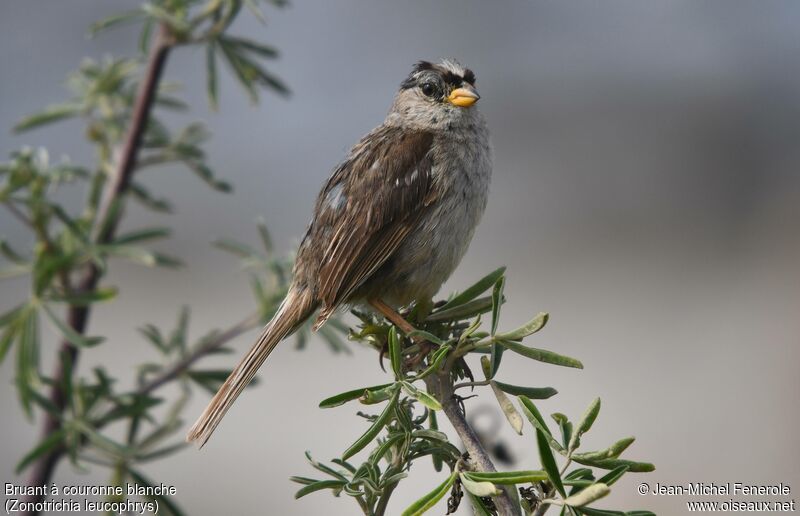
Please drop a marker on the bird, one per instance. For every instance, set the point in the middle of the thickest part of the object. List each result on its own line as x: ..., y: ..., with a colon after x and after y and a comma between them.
x: 392, y: 222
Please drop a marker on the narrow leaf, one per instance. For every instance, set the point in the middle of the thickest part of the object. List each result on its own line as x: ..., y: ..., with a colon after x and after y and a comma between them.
x: 49, y: 115
x: 633, y: 466
x: 613, y: 475
x: 422, y: 396
x: 479, y: 488
x: 549, y: 462
x: 529, y: 328
x: 541, y: 355
x: 211, y: 75
x: 585, y: 424
x: 70, y: 334
x: 336, y: 485
x: 341, y: 399
x: 586, y: 496
x: 47, y: 445
x: 373, y: 430
x: 534, y: 393
x: 481, y: 286
x: 508, y: 477
x: 396, y: 353
x: 512, y: 415
x: 429, y: 500
x: 133, y: 237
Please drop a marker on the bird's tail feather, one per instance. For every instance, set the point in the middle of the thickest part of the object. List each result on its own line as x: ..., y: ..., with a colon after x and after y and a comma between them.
x: 295, y: 309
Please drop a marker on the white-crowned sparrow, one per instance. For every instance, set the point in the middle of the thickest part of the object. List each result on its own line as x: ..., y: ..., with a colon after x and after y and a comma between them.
x: 393, y: 220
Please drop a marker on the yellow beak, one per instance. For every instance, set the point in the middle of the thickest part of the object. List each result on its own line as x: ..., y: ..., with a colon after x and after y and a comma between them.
x: 463, y: 97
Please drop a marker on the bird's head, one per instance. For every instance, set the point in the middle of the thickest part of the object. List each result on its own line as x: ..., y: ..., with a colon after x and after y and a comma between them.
x: 436, y: 96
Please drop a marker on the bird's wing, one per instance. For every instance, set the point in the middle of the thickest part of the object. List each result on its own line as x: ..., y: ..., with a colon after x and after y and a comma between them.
x: 366, y: 209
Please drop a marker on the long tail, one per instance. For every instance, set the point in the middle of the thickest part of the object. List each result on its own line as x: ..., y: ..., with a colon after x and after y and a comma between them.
x: 295, y: 309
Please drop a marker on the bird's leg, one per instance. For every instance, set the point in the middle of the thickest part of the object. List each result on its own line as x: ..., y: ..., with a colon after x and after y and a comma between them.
x: 398, y: 320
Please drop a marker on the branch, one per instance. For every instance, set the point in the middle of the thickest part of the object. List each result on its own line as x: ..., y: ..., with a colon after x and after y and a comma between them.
x: 105, y: 227
x: 211, y: 345
x: 440, y: 386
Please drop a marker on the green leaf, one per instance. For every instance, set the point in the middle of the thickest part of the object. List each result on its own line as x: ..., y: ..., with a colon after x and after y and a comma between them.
x: 161, y: 452
x: 612, y: 452
x: 435, y: 362
x: 248, y: 72
x: 141, y: 194
x: 529, y: 328
x: 422, y: 396
x: 336, y: 485
x: 323, y: 468
x: 430, y: 337
x: 373, y: 430
x: 211, y: 75
x: 396, y: 353
x: 463, y: 311
x: 512, y: 415
x: 378, y: 396
x: 27, y: 358
x: 477, y: 504
x: 508, y: 477
x: 549, y: 462
x: 85, y: 298
x: 429, y: 500
x: 434, y: 426
x: 341, y: 399
x: 479, y: 488
x: 613, y: 475
x: 541, y: 355
x: 12, y: 315
x: 585, y: 424
x: 481, y: 286
x: 70, y: 334
x: 588, y: 495
x: 236, y: 248
x: 144, y: 35
x: 133, y: 237
x: 50, y: 443
x: 6, y: 339
x: 253, y: 46
x: 565, y: 426
x: 165, y: 504
x: 633, y: 466
x: 535, y: 417
x: 10, y: 254
x: 48, y: 116
x: 497, y: 301
x: 535, y: 393
x: 114, y: 21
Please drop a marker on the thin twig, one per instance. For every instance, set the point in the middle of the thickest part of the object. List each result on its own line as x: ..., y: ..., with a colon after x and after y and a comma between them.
x: 461, y: 385
x: 209, y: 346
x: 105, y: 227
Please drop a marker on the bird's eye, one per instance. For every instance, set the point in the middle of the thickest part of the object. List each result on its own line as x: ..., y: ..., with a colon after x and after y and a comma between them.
x: 428, y: 89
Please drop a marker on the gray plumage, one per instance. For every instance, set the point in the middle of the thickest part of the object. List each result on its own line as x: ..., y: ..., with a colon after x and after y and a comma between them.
x: 392, y: 222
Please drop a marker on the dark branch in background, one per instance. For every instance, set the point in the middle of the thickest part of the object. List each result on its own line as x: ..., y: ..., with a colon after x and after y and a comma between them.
x: 105, y: 226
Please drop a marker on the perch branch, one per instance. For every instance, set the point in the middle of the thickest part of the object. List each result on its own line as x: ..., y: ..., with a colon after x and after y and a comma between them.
x: 440, y: 386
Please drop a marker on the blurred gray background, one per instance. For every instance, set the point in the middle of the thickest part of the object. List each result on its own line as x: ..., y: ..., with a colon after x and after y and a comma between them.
x: 646, y: 194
